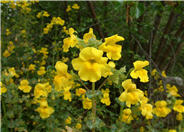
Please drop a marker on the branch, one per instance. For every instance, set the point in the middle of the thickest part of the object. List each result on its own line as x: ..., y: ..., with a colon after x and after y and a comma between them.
x: 166, y: 31
x: 92, y: 10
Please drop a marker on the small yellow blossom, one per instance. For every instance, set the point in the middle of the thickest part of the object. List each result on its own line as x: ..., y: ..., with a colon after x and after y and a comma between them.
x: 24, y: 86
x: 46, y: 14
x: 32, y: 67
x: 76, y: 6
x: 172, y: 130
x: 8, y: 32
x: 127, y: 116
x: 88, y: 36
x: 173, y: 90
x: 164, y: 74
x: 68, y: 8
x: 80, y: 91
x: 68, y: 120
x: 111, y: 48
x: 161, y: 109
x: 41, y: 71
x: 139, y: 72
x: 6, y: 53
x: 78, y: 126
x: 131, y: 95
x: 67, y: 94
x: 105, y: 99
x: 70, y: 41
x: 44, y: 110
x: 42, y: 89
x: 179, y: 117
x: 178, y: 106
x: 87, y: 103
x: 146, y: 110
x: 3, y: 88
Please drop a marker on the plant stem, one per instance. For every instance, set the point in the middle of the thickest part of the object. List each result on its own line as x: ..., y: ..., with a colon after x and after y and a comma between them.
x: 93, y: 107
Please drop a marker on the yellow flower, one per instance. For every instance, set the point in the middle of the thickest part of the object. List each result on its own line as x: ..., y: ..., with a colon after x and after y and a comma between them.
x: 42, y: 89
x: 6, y: 53
x: 32, y: 67
x: 12, y: 72
x: 113, y: 50
x: 78, y: 126
x: 161, y: 109
x: 127, y: 116
x: 57, y: 21
x: 131, y: 95
x: 70, y: 41
x: 87, y: 103
x: 172, y: 130
x: 178, y: 106
x: 44, y: 51
x: 65, y: 30
x: 44, y: 110
x: 146, y: 110
x: 105, y: 99
x: 46, y: 14
x: 3, y: 88
x: 39, y: 15
x: 91, y: 64
x: 67, y: 94
x: 62, y: 69
x: 76, y: 6
x: 24, y: 86
x: 80, y: 91
x: 173, y: 91
x: 138, y: 71
x: 164, y: 74
x: 68, y: 8
x: 68, y: 120
x: 142, y: 129
x: 179, y: 117
x: 41, y: 71
x: 88, y: 36
x: 8, y: 32
x: 63, y: 79
x: 43, y: 62
x: 61, y: 82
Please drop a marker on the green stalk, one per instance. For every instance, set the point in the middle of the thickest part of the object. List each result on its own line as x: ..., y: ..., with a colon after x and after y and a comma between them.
x: 93, y: 106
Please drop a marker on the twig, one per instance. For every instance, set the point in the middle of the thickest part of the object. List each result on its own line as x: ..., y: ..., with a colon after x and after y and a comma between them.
x: 83, y: 84
x: 102, y: 84
x: 91, y: 7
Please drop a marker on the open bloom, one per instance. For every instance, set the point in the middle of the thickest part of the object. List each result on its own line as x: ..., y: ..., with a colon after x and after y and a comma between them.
x: 63, y: 78
x: 89, y: 35
x: 127, y: 116
x: 91, y: 65
x: 105, y: 99
x: 146, y: 110
x: 161, y: 109
x: 44, y: 110
x: 42, y: 89
x: 178, y: 106
x: 131, y: 95
x: 24, y: 86
x: 70, y: 41
x: 139, y: 72
x: 87, y: 103
x: 111, y: 48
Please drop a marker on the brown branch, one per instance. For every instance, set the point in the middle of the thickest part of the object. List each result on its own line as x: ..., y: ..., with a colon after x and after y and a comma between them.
x: 170, y: 47
x: 92, y: 10
x: 166, y: 31
x: 178, y: 50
